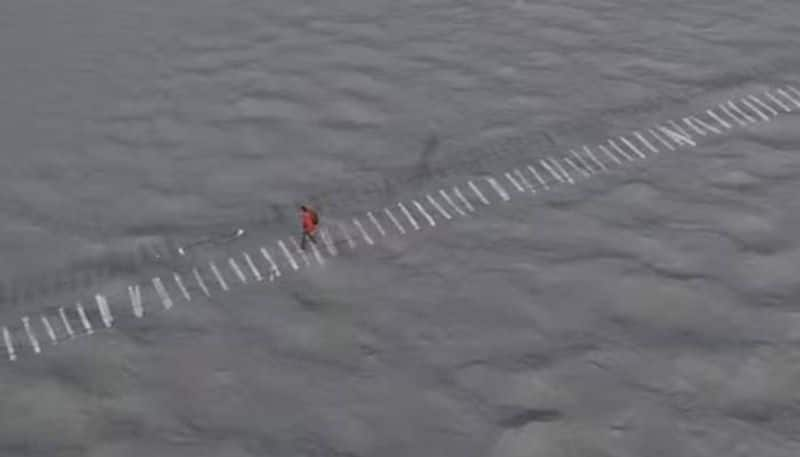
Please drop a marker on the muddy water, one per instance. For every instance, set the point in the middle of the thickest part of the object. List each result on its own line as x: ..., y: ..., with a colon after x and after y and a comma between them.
x: 648, y: 312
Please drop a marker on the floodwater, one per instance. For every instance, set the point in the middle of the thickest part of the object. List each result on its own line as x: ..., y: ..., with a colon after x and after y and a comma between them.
x: 648, y: 310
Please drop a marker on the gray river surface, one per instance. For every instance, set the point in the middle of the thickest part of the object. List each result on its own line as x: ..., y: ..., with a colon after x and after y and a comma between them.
x: 648, y: 311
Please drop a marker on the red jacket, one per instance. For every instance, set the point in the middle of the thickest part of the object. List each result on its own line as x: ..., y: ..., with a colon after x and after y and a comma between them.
x: 309, y: 225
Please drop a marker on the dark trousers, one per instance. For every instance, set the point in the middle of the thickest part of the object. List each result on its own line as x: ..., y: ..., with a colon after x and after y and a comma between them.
x: 307, y: 235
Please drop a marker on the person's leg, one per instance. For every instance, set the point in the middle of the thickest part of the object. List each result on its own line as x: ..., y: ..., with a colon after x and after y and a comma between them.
x: 303, y: 241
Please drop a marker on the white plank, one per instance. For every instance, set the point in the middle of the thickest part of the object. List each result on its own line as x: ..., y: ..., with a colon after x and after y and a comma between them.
x: 762, y: 104
x: 497, y: 188
x: 582, y: 161
x: 793, y: 90
x: 727, y: 111
x: 552, y: 171
x: 201, y: 282
x: 274, y: 271
x: 49, y: 329
x: 181, y: 286
x: 739, y: 111
x: 620, y: 151
x: 252, y: 265
x: 237, y: 270
x: 675, y: 126
x: 754, y: 109
x: 777, y: 101
x: 438, y: 207
x: 575, y: 167
x: 350, y: 241
x: 644, y: 141
x: 105, y: 311
x: 538, y: 177
x: 376, y: 223
x: 594, y: 158
x: 87, y: 325
x: 524, y: 180
x: 632, y: 147
x: 719, y: 120
x: 407, y: 213
x: 608, y: 153
x: 463, y: 199
x: 317, y: 254
x: 477, y: 192
x: 166, y: 300
x: 513, y: 182
x: 9, y: 343
x: 363, y: 232
x: 26, y: 322
x: 288, y: 255
x: 300, y: 251
x: 701, y: 123
x: 424, y: 213
x: 660, y: 139
x: 220, y: 279
x: 694, y: 126
x: 329, y: 244
x: 451, y: 203
x: 788, y: 97
x: 394, y: 220
x: 135, y: 295
x: 65, y: 322
x: 561, y: 170
x: 676, y: 136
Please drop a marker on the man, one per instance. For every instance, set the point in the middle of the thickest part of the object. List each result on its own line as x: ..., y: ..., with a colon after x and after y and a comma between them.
x: 310, y: 220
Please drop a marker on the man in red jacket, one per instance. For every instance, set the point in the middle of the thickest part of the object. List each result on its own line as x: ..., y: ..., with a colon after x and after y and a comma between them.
x: 310, y: 220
